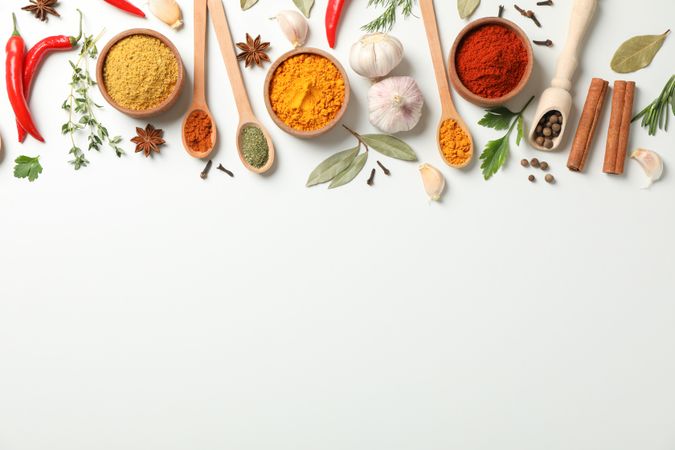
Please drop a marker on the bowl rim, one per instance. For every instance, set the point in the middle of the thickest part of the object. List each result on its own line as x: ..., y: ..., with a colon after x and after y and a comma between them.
x: 268, y: 104
x: 168, y: 102
x: 452, y: 68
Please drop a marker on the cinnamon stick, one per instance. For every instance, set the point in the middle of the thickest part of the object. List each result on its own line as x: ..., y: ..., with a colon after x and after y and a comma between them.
x: 619, y: 127
x: 587, y: 124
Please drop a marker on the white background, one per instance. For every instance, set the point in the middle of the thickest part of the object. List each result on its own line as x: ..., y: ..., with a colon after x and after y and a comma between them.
x: 143, y: 308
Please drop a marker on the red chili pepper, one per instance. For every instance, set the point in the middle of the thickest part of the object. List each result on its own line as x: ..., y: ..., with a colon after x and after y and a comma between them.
x: 124, y: 5
x: 14, y: 78
x: 36, y: 55
x: 333, y: 14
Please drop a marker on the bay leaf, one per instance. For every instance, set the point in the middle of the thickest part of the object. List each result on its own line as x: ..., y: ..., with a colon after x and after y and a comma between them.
x: 467, y: 7
x: 390, y: 146
x: 305, y: 6
x: 637, y: 52
x: 350, y: 172
x: 332, y: 166
x: 246, y: 4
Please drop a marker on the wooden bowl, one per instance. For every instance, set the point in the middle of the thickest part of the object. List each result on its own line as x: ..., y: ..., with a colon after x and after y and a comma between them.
x: 452, y: 68
x: 268, y: 103
x: 168, y: 102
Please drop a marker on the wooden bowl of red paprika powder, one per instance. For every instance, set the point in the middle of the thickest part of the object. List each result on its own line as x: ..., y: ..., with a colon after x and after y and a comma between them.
x: 490, y: 62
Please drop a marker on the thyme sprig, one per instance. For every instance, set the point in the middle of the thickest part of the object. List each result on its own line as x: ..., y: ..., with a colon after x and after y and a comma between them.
x: 655, y: 115
x: 81, y: 108
x: 385, y: 22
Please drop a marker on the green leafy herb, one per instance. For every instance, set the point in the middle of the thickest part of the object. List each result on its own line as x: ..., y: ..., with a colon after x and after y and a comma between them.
x: 304, y: 5
x: 81, y: 108
x: 390, y: 146
x: 350, y: 172
x: 246, y: 4
x: 655, y: 115
x: 637, y: 52
x: 332, y: 166
x: 467, y: 7
x: 385, y: 22
x: 495, y: 153
x: 27, y: 167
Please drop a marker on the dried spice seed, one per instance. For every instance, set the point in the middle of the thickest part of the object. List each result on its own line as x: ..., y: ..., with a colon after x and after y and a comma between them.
x: 529, y: 14
x: 253, y: 51
x: 501, y: 11
x: 534, y: 163
x: 546, y: 43
x: 545, y: 3
x: 223, y: 169
x: 543, y: 165
x: 532, y: 178
x: 148, y: 140
x: 524, y: 163
x: 384, y: 169
x: 42, y: 8
x: 205, y: 172
x: 550, y: 179
x: 371, y: 179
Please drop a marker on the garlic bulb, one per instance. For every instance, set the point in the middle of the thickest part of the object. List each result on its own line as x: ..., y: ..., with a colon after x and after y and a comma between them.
x: 434, y: 182
x: 294, y: 26
x: 375, y: 55
x: 395, y: 104
x: 167, y: 11
x: 651, y: 163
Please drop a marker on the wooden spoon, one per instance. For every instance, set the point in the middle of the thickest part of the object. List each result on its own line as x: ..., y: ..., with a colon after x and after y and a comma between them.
x: 447, y: 106
x: 246, y: 116
x: 199, y: 93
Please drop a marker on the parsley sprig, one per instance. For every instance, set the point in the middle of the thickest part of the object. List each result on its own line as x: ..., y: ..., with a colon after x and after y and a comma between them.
x: 27, y: 167
x: 385, y: 22
x: 495, y: 153
x: 81, y: 108
x: 655, y: 115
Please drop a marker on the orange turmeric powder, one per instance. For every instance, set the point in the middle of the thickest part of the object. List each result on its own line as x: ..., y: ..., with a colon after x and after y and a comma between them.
x: 455, y: 144
x: 307, y: 91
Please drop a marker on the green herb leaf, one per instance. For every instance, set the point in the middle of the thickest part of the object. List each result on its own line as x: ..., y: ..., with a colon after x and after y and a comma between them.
x: 27, y: 167
x: 385, y: 22
x: 350, y: 172
x: 637, y: 52
x: 497, y: 118
x: 305, y: 6
x: 494, y: 156
x: 332, y: 166
x: 390, y: 146
x: 521, y: 130
x: 246, y: 4
x: 655, y: 115
x: 467, y: 7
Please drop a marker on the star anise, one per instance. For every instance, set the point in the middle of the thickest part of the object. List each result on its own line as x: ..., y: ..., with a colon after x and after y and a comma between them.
x: 42, y: 8
x: 253, y: 51
x: 148, y: 140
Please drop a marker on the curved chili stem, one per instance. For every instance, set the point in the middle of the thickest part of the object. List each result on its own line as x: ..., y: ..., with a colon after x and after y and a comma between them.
x: 16, y: 28
x: 75, y: 39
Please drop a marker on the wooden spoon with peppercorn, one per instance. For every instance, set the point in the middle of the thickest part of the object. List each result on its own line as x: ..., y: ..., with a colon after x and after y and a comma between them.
x: 199, y: 93
x: 250, y: 130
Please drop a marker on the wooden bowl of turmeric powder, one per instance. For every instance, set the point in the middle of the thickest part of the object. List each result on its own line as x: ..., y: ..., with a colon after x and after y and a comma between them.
x: 140, y: 73
x: 490, y: 62
x: 306, y: 92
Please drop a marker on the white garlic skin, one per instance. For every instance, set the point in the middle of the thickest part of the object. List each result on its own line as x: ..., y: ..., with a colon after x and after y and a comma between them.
x: 167, y: 11
x: 375, y: 55
x: 651, y: 163
x: 434, y: 181
x: 395, y: 104
x: 294, y: 26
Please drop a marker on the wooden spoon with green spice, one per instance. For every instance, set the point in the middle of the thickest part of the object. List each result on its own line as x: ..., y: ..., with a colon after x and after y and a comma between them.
x: 199, y: 94
x: 255, y: 147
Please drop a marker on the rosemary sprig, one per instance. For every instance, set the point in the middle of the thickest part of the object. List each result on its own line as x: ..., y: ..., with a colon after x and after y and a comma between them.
x: 656, y: 115
x: 81, y: 107
x: 385, y: 22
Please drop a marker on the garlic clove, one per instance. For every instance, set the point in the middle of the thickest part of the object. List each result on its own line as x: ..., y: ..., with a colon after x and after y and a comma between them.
x: 434, y: 181
x: 294, y: 26
x: 375, y: 55
x: 395, y: 104
x: 167, y: 11
x: 651, y: 163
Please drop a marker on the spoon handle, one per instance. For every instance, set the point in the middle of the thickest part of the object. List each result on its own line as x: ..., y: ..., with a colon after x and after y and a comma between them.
x: 200, y: 51
x: 582, y: 13
x: 230, y: 57
x: 431, y: 27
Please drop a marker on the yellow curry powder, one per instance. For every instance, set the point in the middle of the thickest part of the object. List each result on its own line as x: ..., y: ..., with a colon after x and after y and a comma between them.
x: 455, y: 144
x: 307, y: 92
x: 140, y: 72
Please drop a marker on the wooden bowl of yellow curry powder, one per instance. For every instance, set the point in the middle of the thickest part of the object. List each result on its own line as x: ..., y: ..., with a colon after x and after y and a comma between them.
x: 140, y: 73
x: 306, y: 92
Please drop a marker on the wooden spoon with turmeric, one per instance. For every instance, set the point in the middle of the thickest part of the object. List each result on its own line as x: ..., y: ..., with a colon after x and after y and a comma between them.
x: 451, y: 127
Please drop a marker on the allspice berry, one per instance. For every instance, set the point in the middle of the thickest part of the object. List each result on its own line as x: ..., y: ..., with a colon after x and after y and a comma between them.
x: 543, y: 165
x: 532, y: 178
x: 548, y: 143
x: 534, y: 163
x: 524, y: 163
x: 549, y: 178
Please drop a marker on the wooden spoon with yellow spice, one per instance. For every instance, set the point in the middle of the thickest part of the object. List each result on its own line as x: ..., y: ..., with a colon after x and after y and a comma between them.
x: 454, y: 140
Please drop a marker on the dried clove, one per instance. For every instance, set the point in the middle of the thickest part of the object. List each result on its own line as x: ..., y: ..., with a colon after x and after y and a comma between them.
x: 545, y: 3
x: 384, y: 169
x: 371, y: 180
x: 223, y: 169
x: 546, y: 43
x: 205, y: 172
x: 529, y: 14
x: 501, y: 11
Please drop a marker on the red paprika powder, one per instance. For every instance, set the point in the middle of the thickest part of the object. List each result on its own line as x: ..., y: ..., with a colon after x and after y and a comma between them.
x: 491, y: 60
